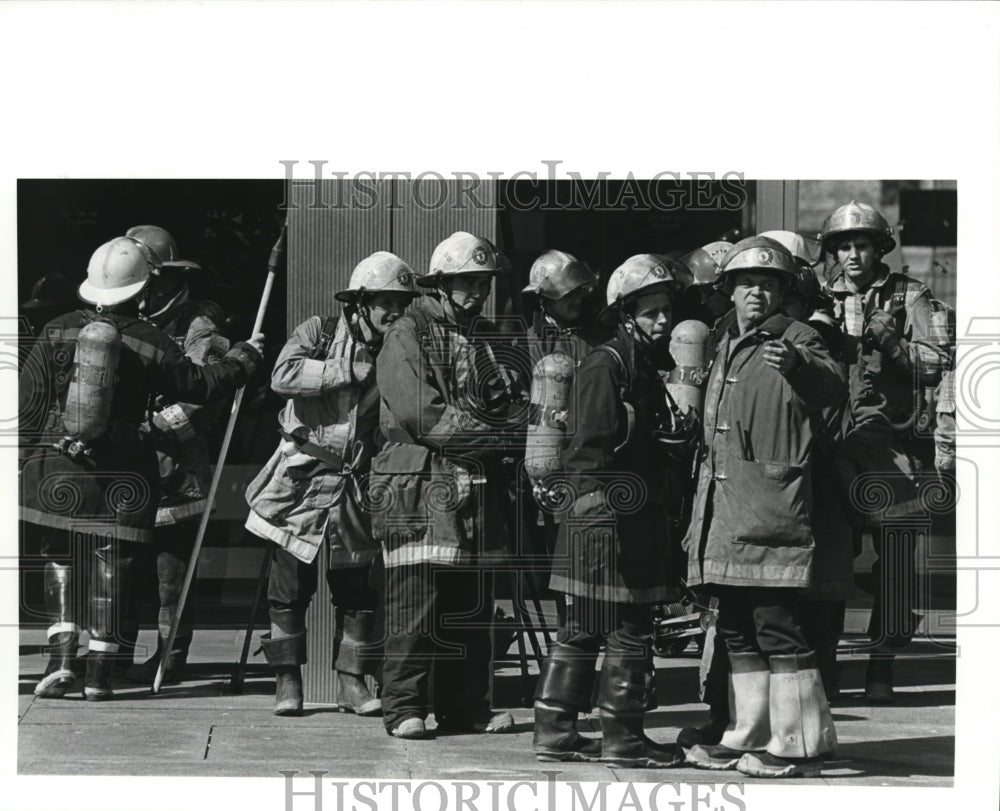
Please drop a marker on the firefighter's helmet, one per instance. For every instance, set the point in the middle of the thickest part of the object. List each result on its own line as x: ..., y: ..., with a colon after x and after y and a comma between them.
x: 758, y: 253
x: 642, y: 274
x: 556, y: 274
x: 52, y: 290
x: 794, y: 244
x: 717, y: 249
x: 462, y: 254
x: 162, y: 245
x: 703, y: 266
x: 806, y: 283
x: 382, y: 272
x: 118, y: 271
x: 855, y: 216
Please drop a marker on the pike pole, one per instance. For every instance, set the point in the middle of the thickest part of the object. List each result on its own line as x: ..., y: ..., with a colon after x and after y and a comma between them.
x: 277, y: 253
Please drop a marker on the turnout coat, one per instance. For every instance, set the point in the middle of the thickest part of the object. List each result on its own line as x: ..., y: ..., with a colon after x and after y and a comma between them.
x: 450, y: 411
x: 753, y: 505
x: 613, y: 541
x: 119, y: 492
x: 312, y: 489
x: 181, y: 428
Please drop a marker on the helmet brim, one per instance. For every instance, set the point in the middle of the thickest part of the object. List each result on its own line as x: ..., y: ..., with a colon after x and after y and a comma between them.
x: 885, y: 242
x: 609, y: 315
x: 435, y: 279
x: 109, y: 295
x: 350, y: 296
x: 181, y: 264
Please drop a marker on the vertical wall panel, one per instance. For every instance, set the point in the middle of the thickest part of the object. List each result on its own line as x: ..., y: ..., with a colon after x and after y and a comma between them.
x: 327, y: 237
x: 777, y: 205
x: 326, y: 241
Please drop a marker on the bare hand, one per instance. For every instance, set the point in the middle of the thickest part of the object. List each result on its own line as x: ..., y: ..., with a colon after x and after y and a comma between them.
x: 782, y: 355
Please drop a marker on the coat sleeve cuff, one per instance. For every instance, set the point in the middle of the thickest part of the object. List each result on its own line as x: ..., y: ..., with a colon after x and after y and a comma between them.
x: 247, y: 356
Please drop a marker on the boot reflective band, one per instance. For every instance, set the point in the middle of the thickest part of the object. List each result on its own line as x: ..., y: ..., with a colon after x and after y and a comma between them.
x: 100, y: 646
x: 63, y: 628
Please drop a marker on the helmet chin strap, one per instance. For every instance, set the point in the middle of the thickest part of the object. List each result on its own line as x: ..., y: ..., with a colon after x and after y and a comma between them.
x: 372, y: 344
x: 456, y: 308
x: 650, y: 349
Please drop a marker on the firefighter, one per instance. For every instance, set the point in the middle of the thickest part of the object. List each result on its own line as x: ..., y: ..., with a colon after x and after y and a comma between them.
x: 824, y: 604
x: 611, y: 551
x: 312, y: 490
x: 894, y: 328
x: 750, y: 537
x: 89, y: 478
x: 562, y: 285
x: 179, y: 430
x: 52, y: 295
x: 450, y: 413
x: 560, y: 336
x: 703, y: 300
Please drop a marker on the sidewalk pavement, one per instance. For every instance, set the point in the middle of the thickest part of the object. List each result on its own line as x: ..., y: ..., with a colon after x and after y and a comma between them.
x: 201, y: 728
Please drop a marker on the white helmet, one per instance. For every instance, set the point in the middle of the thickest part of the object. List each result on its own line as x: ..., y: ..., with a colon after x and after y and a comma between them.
x: 118, y: 271
x: 382, y: 272
x: 462, y: 253
x: 794, y: 243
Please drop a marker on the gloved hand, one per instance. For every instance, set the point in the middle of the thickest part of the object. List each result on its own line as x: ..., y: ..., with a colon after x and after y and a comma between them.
x: 881, y: 331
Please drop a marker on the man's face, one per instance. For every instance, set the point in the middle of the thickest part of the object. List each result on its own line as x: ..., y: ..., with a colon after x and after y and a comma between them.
x: 569, y: 307
x: 755, y: 297
x: 163, y: 286
x: 384, y: 310
x: 654, y: 314
x: 856, y: 255
x: 469, y: 292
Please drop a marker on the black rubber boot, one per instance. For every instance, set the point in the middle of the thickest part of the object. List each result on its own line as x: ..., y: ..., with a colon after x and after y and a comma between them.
x: 565, y: 686
x: 63, y: 635
x: 97, y: 683
x: 285, y: 655
x: 126, y: 649
x: 878, y: 679
x: 716, y: 695
x: 625, y: 683
x: 355, y: 657
x: 176, y: 667
x: 170, y: 572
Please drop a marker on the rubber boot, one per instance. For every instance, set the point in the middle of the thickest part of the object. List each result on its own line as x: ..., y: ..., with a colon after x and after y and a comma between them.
x: 63, y: 634
x: 802, y: 729
x: 565, y: 685
x: 625, y: 683
x: 170, y: 572
x: 878, y: 679
x: 829, y: 671
x: 110, y: 602
x: 126, y: 649
x: 749, y: 728
x: 716, y: 695
x: 176, y: 666
x: 354, y: 658
x: 100, y: 661
x: 286, y: 654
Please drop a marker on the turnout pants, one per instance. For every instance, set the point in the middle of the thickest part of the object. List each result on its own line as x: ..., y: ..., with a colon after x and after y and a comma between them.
x: 291, y: 588
x: 437, y: 630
